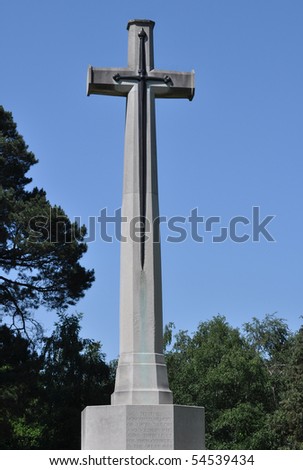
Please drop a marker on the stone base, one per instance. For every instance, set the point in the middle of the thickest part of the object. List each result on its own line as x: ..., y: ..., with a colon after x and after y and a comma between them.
x: 143, y: 427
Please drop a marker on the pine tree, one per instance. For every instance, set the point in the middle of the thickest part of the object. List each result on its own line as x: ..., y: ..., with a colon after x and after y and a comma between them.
x: 75, y: 375
x: 40, y: 247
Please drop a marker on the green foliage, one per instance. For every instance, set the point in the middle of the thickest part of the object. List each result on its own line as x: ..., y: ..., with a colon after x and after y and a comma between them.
x: 20, y: 423
x: 249, y: 383
x: 15, y: 159
x: 40, y: 248
x: 74, y: 376
x: 269, y: 336
x: 287, y: 421
x: 253, y: 396
x: 42, y: 395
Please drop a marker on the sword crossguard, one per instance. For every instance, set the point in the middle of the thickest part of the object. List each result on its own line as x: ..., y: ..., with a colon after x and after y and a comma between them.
x: 117, y: 77
x: 167, y: 80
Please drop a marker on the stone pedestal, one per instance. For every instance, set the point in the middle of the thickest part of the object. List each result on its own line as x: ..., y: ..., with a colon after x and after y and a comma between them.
x: 155, y: 427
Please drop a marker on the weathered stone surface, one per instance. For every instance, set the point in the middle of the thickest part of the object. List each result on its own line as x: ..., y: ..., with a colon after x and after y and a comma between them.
x: 143, y: 427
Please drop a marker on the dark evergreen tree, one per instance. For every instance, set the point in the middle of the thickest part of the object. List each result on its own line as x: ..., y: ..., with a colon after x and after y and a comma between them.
x: 21, y: 403
x: 42, y: 394
x: 40, y: 247
x: 75, y: 375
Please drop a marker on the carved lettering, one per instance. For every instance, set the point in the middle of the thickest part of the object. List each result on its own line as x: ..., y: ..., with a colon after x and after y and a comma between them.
x: 149, y: 430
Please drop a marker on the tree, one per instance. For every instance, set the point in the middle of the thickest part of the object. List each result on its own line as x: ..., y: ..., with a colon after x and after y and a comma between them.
x: 75, y: 375
x: 42, y: 393
x: 20, y: 395
x: 287, y: 421
x: 269, y: 336
x: 218, y: 369
x: 40, y: 247
x: 271, y: 339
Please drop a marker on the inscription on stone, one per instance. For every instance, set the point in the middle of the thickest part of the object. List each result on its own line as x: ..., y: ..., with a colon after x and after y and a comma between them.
x: 149, y: 429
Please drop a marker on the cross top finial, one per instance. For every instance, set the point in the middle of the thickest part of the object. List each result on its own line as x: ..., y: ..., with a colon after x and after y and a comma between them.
x: 142, y: 23
x: 136, y: 30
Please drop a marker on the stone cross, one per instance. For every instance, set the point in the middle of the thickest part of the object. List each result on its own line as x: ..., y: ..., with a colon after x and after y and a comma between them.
x: 141, y: 375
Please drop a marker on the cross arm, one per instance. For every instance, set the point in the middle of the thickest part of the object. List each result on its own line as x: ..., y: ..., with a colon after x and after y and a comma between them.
x: 100, y: 81
x: 179, y: 85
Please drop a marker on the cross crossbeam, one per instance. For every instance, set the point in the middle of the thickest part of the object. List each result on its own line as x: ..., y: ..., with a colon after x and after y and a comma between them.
x: 103, y: 81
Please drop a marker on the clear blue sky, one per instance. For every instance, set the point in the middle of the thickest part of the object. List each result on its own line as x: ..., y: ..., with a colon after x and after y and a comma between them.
x: 238, y: 144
